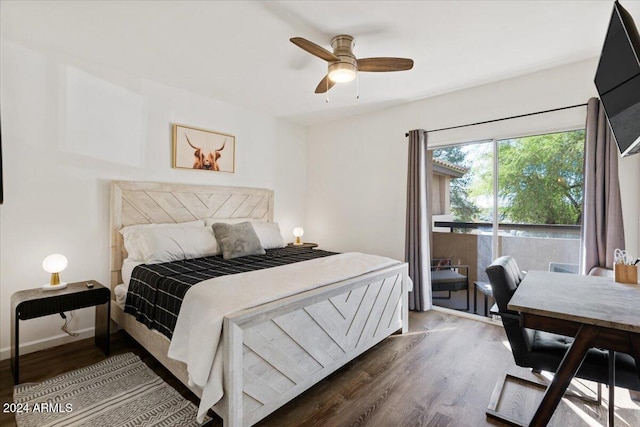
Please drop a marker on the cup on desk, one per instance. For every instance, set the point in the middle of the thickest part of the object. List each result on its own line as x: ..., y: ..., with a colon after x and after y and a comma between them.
x: 626, y: 273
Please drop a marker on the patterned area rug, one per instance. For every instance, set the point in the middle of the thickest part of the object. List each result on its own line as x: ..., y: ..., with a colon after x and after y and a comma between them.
x: 117, y: 392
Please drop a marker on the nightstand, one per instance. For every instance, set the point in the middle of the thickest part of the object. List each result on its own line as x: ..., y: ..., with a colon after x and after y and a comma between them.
x: 34, y: 303
x: 303, y: 245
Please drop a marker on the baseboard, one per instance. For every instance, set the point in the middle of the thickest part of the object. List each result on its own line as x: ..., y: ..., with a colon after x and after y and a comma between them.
x: 33, y: 346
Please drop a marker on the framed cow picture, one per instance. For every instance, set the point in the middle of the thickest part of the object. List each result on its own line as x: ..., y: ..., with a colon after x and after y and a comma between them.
x: 195, y: 148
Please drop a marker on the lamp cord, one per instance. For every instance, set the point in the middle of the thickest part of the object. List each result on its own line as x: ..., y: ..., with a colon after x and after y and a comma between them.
x: 65, y: 327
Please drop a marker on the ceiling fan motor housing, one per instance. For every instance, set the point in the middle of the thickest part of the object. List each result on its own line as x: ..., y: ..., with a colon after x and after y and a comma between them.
x: 345, y: 69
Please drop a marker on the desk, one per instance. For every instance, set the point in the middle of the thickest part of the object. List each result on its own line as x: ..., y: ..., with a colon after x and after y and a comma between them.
x: 597, y: 311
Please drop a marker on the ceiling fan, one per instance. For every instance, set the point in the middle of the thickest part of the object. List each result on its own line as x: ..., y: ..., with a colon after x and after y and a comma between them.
x: 343, y: 64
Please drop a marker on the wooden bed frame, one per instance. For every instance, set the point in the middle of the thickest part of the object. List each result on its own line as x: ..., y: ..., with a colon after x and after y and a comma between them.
x: 275, y: 351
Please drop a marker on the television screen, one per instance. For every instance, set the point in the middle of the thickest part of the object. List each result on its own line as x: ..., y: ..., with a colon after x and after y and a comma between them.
x: 618, y: 80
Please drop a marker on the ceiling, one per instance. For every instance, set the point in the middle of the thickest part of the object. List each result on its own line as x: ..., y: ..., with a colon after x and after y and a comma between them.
x: 239, y: 51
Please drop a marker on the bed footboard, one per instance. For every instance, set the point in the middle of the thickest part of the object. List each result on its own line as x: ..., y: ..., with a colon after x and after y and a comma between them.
x: 278, y: 350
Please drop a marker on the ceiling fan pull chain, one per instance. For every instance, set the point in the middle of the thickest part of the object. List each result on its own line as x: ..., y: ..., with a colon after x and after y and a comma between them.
x: 357, y: 87
x: 327, y: 92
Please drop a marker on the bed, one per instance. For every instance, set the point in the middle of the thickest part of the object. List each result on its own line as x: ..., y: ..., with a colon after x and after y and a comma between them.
x: 274, y: 351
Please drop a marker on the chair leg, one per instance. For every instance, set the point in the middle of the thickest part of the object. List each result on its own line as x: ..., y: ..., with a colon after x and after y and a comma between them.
x: 599, y: 399
x: 612, y: 386
x: 467, y: 297
x: 542, y: 383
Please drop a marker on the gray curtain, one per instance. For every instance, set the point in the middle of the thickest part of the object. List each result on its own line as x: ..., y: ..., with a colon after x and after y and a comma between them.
x: 602, y: 227
x: 418, y: 223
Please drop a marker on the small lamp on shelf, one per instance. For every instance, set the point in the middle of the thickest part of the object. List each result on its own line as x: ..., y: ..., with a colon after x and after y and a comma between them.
x: 298, y: 232
x: 54, y: 264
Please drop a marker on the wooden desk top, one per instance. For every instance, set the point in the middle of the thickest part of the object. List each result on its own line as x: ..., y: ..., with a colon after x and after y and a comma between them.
x: 584, y: 299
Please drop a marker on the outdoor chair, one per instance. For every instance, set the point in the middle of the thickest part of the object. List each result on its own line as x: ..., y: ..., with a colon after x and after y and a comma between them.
x: 447, y: 277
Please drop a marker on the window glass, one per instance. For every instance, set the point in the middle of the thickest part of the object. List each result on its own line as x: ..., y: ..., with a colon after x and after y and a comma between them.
x: 520, y: 197
x: 458, y: 193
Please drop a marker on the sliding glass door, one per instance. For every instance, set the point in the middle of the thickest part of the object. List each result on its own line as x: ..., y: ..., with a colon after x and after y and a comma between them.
x: 539, y: 200
x: 519, y: 196
x: 463, y: 209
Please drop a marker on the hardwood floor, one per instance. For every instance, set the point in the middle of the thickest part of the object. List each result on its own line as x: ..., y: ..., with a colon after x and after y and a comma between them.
x: 442, y: 373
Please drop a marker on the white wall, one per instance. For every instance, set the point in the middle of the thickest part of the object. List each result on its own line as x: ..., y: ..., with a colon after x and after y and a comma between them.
x: 357, y: 166
x: 69, y: 128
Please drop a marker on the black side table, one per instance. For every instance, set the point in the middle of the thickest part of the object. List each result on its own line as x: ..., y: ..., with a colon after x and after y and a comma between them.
x: 34, y: 303
x: 485, y: 288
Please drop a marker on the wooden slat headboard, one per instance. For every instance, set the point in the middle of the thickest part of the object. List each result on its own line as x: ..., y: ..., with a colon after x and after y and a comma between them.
x: 134, y: 202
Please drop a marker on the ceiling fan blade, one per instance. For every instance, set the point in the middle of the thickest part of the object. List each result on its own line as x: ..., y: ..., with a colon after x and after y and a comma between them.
x: 324, y: 85
x: 384, y: 64
x: 314, y: 49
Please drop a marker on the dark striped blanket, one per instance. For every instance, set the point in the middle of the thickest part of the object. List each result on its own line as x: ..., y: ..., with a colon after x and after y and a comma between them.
x: 156, y: 291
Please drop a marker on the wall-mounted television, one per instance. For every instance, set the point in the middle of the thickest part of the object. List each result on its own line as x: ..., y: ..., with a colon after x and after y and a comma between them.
x: 618, y: 80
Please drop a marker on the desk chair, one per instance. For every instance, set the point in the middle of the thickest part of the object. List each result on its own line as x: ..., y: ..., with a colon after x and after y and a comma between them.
x: 447, y: 277
x: 543, y: 351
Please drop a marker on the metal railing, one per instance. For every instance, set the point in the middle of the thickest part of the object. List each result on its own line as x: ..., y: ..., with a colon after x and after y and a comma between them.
x: 451, y: 225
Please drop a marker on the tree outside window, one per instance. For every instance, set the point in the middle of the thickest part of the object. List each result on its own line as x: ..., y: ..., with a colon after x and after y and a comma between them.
x: 540, y: 179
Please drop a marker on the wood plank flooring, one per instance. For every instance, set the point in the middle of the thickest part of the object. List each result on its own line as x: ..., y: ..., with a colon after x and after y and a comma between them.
x: 442, y: 374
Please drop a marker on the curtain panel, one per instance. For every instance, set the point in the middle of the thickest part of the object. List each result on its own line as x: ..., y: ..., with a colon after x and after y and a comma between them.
x: 418, y: 221
x: 602, y: 226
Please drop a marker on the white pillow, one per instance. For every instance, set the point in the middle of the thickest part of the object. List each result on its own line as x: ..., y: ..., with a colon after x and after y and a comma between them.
x: 165, y: 244
x: 269, y: 234
x: 210, y: 221
x: 132, y: 246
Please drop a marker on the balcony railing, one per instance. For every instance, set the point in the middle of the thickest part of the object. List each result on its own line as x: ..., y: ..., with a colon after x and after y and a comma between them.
x: 560, y: 230
x: 533, y: 246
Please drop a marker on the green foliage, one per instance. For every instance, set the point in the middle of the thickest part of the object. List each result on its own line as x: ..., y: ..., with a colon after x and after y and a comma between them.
x: 540, y: 179
x: 462, y: 208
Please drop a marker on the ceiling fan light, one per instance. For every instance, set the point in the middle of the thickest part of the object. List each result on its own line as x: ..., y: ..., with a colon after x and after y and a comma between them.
x: 342, y: 72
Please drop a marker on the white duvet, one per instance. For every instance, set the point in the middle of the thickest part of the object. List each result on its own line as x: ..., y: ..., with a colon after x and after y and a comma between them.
x: 198, y: 331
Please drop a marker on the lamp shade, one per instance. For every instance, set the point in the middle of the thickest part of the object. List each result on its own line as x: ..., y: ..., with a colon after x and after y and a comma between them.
x: 54, y: 263
x: 342, y: 72
x: 298, y: 232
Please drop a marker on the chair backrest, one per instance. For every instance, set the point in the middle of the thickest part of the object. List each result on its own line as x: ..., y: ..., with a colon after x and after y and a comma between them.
x: 505, y: 276
x: 602, y: 272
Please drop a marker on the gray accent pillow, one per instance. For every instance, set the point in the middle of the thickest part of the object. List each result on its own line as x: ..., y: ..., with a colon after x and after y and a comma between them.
x: 237, y: 240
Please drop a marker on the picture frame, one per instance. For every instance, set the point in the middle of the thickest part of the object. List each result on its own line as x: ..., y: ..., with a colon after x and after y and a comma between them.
x: 202, y: 149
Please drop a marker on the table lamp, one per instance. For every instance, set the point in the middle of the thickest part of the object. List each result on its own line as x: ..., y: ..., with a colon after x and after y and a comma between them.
x: 54, y: 264
x: 298, y: 232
